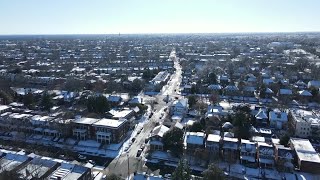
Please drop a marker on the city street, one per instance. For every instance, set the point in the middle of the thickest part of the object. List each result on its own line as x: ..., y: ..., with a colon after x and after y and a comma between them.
x: 120, y: 164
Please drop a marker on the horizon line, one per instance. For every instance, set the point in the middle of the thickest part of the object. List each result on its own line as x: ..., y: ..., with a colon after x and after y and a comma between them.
x: 164, y: 33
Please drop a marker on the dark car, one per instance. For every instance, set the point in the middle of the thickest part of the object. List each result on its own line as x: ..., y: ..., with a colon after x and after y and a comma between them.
x: 133, y: 139
x: 139, y: 152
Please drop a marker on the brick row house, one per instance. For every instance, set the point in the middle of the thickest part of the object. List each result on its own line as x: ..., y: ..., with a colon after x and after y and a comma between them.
x: 103, y: 130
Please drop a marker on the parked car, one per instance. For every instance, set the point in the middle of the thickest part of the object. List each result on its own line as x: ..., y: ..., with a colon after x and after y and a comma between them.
x: 133, y: 139
x: 139, y: 152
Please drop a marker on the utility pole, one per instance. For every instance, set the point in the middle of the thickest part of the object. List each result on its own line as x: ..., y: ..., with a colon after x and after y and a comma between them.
x: 128, y: 166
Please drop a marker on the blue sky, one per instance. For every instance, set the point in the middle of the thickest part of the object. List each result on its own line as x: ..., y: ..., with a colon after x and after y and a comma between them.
x: 157, y: 16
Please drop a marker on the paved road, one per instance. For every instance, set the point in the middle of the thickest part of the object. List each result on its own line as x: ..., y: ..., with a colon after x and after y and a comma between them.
x: 120, y: 164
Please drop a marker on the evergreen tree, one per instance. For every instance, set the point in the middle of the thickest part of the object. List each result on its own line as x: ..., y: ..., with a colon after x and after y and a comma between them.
x: 196, y: 127
x: 213, y: 172
x: 98, y: 104
x: 173, y: 141
x: 28, y: 100
x: 182, y: 171
x: 46, y: 102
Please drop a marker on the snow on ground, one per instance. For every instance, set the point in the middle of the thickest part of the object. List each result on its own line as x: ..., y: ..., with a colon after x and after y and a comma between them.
x: 243, y: 172
x: 89, y: 143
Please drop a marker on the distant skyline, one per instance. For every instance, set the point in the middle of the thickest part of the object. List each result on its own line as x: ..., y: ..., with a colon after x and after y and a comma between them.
x: 152, y: 16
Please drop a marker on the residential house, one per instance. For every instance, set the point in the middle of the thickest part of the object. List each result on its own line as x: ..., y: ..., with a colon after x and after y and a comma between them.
x: 231, y: 90
x: 284, y: 158
x: 115, y: 100
x: 278, y: 119
x: 4, y: 108
x: 248, y: 153
x: 267, y: 81
x: 179, y: 107
x: 314, y: 84
x: 123, y: 114
x: 265, y: 155
x: 285, y: 94
x: 12, y: 162
x: 155, y: 140
x: 38, y: 168
x: 305, y: 123
x: 71, y: 172
x: 261, y: 117
x: 307, y: 158
x: 212, y: 145
x: 135, y: 101
x: 193, y: 141
x: 110, y: 130
x: 268, y: 93
x: 223, y: 79
x: 230, y: 149
x: 82, y: 128
x: 249, y: 91
x: 214, y: 110
x: 215, y: 88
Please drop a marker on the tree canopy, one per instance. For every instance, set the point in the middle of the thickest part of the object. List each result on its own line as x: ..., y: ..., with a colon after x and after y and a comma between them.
x: 173, y: 141
x: 98, y: 104
x: 46, y: 102
x: 192, y: 100
x: 213, y: 172
x: 113, y: 177
x: 196, y: 127
x: 182, y: 171
x: 28, y: 100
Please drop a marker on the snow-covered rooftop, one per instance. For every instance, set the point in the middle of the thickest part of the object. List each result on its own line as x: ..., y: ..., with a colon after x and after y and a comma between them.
x: 304, y: 150
x: 213, y: 138
x: 194, y: 138
x: 109, y: 122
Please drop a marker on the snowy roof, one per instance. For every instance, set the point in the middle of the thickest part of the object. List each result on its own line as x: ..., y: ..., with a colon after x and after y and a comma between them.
x: 12, y: 161
x: 36, y: 168
x: 278, y: 116
x: 267, y: 81
x: 178, y: 125
x: 68, y: 172
x: 301, y: 83
x: 268, y: 91
x: 146, y: 177
x: 181, y: 103
x: 304, y: 93
x: 214, y: 87
x: 114, y: 98
x: 261, y: 114
x: 304, y: 150
x: 249, y: 88
x: 213, y: 138
x: 4, y: 107
x: 159, y: 130
x: 228, y: 134
x: 258, y: 139
x: 314, y: 83
x: 195, y: 138
x: 285, y: 91
x: 214, y: 109
x: 85, y: 120
x: 113, y: 123
x: 123, y: 113
x: 231, y: 88
x: 135, y: 100
x: 227, y: 125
